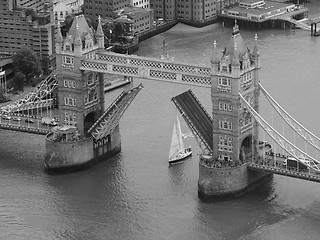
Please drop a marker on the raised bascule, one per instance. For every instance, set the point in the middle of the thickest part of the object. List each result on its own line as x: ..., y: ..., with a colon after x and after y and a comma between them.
x: 233, y: 159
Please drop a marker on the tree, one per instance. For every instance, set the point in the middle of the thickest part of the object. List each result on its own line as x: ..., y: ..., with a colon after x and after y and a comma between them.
x: 26, y: 62
x: 45, y: 64
x: 18, y: 81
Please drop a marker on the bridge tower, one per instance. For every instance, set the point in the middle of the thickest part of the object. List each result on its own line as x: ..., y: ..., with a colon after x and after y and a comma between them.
x: 81, y: 101
x: 81, y: 94
x: 235, y: 132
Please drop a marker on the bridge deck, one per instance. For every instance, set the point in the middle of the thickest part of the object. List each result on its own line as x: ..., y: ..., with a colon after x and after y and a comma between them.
x: 110, y: 118
x: 196, y: 117
x: 290, y: 172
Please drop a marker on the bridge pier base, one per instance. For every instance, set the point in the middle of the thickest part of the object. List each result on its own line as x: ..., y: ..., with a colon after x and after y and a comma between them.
x: 69, y: 155
x: 225, y: 183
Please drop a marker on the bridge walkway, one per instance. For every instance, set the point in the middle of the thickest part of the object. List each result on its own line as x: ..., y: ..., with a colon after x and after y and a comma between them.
x: 265, y: 165
x: 197, y: 118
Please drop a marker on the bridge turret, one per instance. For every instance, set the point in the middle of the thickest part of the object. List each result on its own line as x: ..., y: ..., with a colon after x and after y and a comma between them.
x: 100, y: 34
x: 215, y: 60
x: 235, y: 64
x: 256, y: 54
x: 77, y: 43
x: 59, y: 40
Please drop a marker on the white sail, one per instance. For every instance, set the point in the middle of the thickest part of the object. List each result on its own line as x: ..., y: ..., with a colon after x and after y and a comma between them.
x: 179, y: 134
x: 176, y: 141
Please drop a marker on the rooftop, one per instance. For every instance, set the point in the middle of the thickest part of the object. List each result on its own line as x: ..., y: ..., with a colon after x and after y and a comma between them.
x: 133, y: 11
x: 267, y: 7
x: 83, y: 27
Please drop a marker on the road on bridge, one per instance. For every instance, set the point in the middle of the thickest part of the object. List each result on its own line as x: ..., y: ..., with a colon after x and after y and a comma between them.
x: 197, y: 116
x: 23, y: 122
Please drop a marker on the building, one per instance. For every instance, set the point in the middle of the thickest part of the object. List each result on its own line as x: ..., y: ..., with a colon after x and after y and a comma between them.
x: 22, y: 27
x: 6, y: 72
x: 258, y: 10
x: 163, y: 9
x: 140, y: 3
x: 104, y: 8
x: 62, y: 8
x: 142, y: 18
x: 190, y: 12
x: 38, y: 5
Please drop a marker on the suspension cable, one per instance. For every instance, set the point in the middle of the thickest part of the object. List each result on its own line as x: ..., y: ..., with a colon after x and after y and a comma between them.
x: 286, y: 145
x: 294, y: 124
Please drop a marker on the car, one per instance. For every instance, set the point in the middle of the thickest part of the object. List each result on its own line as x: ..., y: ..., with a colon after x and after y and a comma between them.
x: 16, y: 119
x: 28, y: 120
x: 6, y: 117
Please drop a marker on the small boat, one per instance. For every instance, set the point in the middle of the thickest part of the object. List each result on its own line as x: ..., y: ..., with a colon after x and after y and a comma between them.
x: 177, y: 151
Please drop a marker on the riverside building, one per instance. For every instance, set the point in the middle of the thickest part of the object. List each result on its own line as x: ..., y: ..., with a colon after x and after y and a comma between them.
x: 23, y: 27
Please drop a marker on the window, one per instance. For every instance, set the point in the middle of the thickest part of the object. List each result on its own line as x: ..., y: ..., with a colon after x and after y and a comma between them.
x: 225, y: 106
x: 70, y: 118
x: 67, y: 60
x: 224, y: 81
x: 225, y: 125
x: 69, y: 83
x: 225, y: 144
x: 68, y: 101
x: 90, y: 79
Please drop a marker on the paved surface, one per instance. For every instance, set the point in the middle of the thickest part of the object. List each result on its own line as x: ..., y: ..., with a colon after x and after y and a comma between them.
x: 196, y: 116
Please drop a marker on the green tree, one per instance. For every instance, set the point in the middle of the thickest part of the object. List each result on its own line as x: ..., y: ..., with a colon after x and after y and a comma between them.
x: 18, y: 81
x: 45, y: 64
x: 26, y: 62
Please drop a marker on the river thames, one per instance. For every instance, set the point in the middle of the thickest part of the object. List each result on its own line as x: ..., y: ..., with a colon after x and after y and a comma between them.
x: 135, y: 195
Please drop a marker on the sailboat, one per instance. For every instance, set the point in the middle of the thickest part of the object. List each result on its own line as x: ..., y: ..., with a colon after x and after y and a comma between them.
x: 177, y: 150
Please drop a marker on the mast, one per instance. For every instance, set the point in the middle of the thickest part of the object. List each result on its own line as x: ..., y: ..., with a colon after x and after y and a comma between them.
x: 179, y: 134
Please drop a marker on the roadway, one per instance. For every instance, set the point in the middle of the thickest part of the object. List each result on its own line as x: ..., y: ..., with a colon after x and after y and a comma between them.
x: 23, y: 124
x: 275, y: 165
x: 196, y: 117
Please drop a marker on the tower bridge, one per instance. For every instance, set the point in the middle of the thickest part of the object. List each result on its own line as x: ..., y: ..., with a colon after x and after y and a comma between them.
x: 231, y: 157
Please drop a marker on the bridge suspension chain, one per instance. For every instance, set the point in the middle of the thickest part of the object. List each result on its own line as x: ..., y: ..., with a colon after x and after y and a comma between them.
x: 35, y: 97
x: 286, y: 145
x: 309, y: 137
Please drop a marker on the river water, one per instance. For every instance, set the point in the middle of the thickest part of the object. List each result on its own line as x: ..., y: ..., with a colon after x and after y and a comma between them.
x: 135, y: 195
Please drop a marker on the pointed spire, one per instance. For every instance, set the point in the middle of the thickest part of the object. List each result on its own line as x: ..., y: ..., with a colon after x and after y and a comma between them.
x: 255, y: 48
x: 235, y: 28
x: 215, y: 58
x: 235, y: 60
x: 59, y: 38
x: 99, y: 31
x: 77, y: 40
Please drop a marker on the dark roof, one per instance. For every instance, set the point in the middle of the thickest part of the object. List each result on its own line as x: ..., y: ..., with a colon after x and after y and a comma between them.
x: 236, y: 39
x: 83, y: 27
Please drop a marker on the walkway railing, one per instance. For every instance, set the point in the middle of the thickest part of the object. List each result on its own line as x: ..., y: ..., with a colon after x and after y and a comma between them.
x: 284, y: 170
